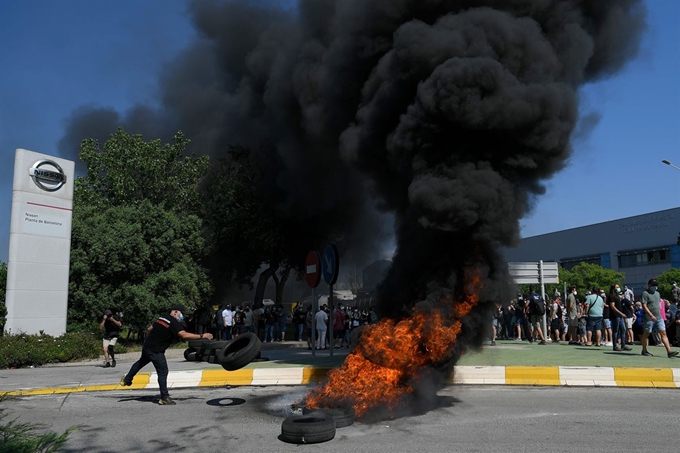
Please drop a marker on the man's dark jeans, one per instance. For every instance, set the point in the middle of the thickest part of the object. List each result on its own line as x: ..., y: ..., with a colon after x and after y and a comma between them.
x: 619, y: 331
x: 159, y: 362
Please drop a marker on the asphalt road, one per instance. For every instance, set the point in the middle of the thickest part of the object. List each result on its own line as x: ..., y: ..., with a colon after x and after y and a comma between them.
x: 468, y: 419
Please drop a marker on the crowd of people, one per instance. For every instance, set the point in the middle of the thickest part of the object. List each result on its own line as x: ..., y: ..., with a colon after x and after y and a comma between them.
x: 273, y: 323
x: 611, y: 318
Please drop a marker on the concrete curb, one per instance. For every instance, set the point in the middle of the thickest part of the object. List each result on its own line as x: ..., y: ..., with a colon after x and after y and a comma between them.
x: 463, y: 375
x: 567, y: 376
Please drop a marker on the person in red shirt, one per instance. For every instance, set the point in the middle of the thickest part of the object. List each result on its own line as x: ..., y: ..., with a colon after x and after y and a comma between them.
x: 338, y: 327
x: 162, y: 333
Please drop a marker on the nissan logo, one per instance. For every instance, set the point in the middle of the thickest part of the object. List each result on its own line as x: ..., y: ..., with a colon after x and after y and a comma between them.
x: 47, y: 175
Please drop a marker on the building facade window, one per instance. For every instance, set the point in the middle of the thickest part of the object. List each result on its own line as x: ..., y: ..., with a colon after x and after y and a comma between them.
x: 632, y: 258
x: 570, y: 263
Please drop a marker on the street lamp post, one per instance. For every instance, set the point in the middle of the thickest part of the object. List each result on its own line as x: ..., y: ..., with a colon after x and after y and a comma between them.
x: 670, y: 164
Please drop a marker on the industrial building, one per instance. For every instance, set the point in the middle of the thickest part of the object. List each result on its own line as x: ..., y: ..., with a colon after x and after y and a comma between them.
x: 641, y: 247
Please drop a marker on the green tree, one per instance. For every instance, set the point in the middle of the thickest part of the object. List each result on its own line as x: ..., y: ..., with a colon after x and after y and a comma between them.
x: 584, y: 276
x: 136, y: 239
x: 666, y: 280
x: 128, y: 170
x: 245, y: 233
x: 140, y: 259
x: 3, y: 289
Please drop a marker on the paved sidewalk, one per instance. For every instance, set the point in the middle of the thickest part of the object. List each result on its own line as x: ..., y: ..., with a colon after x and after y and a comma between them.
x: 291, y: 363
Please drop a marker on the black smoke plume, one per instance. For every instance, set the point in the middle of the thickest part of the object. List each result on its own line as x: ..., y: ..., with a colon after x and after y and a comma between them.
x: 449, y: 114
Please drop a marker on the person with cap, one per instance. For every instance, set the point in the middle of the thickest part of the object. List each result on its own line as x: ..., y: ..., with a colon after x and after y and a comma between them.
x: 161, y: 335
x: 652, y: 321
x: 110, y: 324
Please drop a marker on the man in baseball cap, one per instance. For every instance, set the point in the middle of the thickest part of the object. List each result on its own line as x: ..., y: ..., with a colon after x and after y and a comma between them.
x: 161, y: 335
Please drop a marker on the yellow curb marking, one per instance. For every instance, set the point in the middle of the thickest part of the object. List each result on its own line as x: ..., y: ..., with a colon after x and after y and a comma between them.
x: 642, y: 377
x: 139, y: 382
x: 215, y: 378
x: 532, y: 375
x: 310, y: 374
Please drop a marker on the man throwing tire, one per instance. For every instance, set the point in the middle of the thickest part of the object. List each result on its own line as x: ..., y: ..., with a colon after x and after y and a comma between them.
x: 161, y: 335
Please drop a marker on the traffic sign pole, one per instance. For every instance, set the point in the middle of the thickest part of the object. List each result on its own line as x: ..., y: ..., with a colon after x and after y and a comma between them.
x: 313, y: 277
x: 330, y: 264
x: 331, y: 324
x: 315, y: 308
x: 545, y: 302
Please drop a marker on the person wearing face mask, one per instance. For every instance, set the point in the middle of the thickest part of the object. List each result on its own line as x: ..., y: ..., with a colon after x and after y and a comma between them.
x: 651, y: 314
x: 617, y: 318
x: 160, y: 336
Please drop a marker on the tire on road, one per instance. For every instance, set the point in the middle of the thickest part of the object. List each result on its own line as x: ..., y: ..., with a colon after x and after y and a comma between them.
x: 239, y: 352
x: 190, y: 354
x: 308, y: 429
x: 343, y: 416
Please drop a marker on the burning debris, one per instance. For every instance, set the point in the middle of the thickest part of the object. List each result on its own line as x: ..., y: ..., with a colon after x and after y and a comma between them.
x: 395, y: 358
x: 449, y: 114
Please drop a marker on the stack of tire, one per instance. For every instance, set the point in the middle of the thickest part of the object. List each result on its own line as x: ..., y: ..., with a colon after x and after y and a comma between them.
x: 203, y: 350
x: 232, y: 355
x: 316, y: 425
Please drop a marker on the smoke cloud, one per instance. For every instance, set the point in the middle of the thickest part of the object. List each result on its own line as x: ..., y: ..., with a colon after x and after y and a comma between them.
x: 447, y: 114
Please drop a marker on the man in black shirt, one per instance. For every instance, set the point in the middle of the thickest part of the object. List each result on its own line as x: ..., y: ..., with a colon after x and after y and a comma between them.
x: 161, y: 335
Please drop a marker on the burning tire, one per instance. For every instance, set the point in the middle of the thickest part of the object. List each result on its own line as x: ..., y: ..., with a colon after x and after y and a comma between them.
x: 190, y: 354
x: 239, y: 352
x: 308, y: 429
x: 343, y: 416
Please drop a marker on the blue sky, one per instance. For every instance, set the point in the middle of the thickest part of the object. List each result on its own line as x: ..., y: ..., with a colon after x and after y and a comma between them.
x: 58, y: 56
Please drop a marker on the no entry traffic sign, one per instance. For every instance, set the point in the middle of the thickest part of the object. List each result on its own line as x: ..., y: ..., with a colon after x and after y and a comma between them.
x: 313, y: 269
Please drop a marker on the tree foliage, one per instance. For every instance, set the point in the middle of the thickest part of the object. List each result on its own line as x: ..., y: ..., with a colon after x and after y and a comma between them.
x: 140, y: 259
x: 128, y: 170
x: 136, y: 245
x: 666, y: 280
x: 243, y: 230
x: 584, y: 277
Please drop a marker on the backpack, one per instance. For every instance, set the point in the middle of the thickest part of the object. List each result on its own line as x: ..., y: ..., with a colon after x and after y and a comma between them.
x: 537, y: 305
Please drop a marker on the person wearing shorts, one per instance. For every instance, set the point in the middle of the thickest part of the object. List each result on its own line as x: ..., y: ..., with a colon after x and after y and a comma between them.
x: 595, y: 307
x: 110, y: 324
x: 629, y: 311
x: 651, y: 318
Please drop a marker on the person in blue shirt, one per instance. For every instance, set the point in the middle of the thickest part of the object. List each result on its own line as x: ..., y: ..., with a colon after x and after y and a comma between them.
x: 594, y: 311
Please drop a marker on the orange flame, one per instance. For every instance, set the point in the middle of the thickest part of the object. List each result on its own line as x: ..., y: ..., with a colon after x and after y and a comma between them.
x: 383, y: 367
